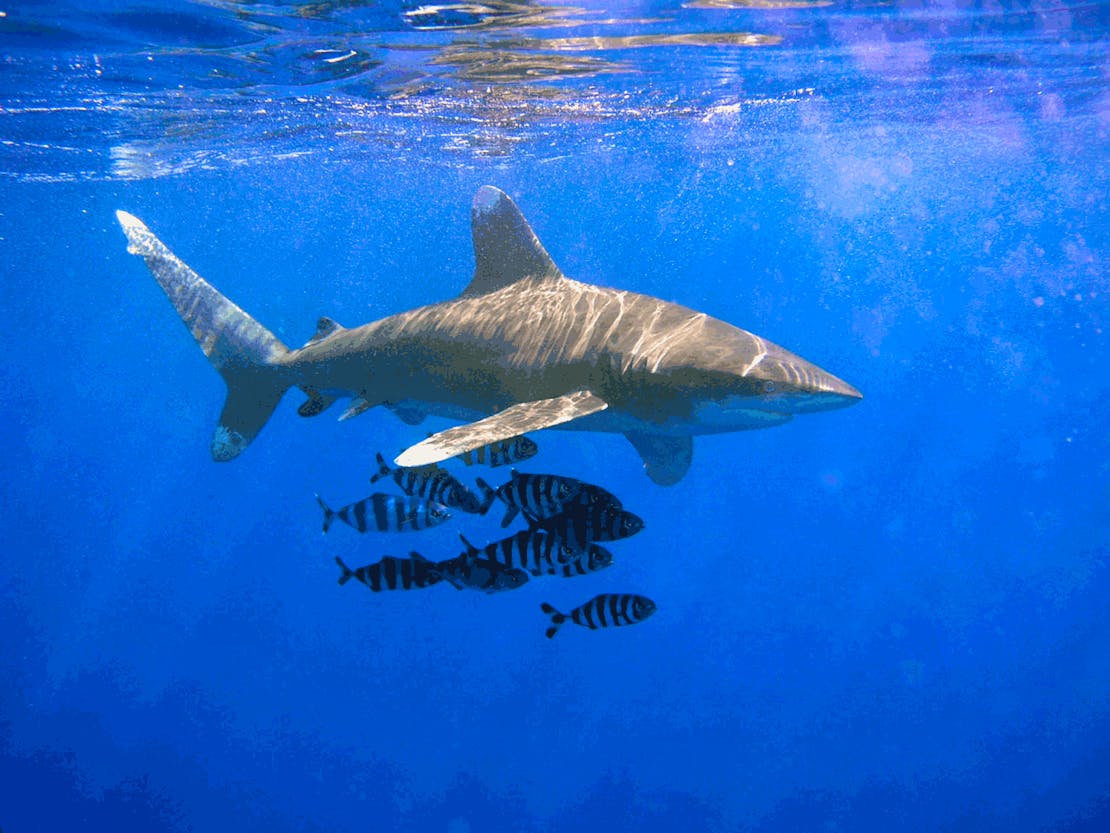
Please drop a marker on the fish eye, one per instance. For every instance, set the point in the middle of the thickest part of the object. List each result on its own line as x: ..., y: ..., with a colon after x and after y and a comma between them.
x: 769, y: 386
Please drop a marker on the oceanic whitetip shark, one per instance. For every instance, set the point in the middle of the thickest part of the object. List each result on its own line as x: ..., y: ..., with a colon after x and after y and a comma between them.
x: 522, y: 348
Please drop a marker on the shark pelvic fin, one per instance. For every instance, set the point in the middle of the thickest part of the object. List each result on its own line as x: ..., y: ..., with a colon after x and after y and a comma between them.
x: 316, y: 403
x: 506, y: 249
x: 514, y: 420
x: 666, y: 458
x: 245, y: 353
x: 358, y: 405
x: 408, y: 414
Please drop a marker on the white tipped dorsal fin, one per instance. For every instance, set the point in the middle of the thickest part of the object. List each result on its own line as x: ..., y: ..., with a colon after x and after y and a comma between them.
x: 506, y: 249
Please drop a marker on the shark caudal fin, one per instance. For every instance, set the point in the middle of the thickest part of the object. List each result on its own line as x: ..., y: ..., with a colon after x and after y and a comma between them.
x: 244, y: 352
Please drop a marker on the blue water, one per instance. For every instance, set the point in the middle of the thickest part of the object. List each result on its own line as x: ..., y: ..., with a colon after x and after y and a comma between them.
x: 890, y: 617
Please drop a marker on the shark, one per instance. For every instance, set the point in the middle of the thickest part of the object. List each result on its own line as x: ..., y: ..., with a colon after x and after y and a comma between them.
x: 522, y: 348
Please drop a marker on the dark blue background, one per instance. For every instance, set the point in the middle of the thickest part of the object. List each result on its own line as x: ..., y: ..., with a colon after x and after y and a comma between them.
x: 886, y: 618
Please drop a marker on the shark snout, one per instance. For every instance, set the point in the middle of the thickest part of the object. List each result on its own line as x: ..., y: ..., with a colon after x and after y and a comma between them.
x: 792, y: 385
x: 809, y: 391
x: 838, y: 392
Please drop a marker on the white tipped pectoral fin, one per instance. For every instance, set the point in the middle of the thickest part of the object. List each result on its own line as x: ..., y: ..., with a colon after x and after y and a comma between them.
x: 511, y: 422
x: 666, y: 458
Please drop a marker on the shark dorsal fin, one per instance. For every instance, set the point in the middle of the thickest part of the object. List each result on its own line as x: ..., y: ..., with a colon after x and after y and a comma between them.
x: 324, y: 328
x: 506, y: 249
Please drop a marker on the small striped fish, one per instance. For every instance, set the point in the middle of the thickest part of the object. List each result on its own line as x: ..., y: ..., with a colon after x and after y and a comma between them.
x: 500, y: 453
x: 386, y: 513
x: 608, y: 610
x: 431, y: 483
x: 591, y: 495
x: 579, y: 525
x: 392, y: 573
x: 535, y: 551
x: 468, y: 572
x: 537, y: 495
x: 593, y: 559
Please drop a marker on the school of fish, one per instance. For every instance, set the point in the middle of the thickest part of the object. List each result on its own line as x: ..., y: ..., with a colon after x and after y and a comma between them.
x: 565, y: 517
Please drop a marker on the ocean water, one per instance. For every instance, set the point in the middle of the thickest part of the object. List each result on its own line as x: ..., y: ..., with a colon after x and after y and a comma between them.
x: 889, y: 617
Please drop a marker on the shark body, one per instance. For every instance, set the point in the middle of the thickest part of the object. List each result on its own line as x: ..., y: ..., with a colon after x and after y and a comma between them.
x: 521, y: 349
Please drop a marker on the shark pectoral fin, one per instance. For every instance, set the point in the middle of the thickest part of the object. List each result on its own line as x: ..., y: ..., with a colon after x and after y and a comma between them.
x: 316, y: 403
x: 666, y: 458
x: 514, y: 420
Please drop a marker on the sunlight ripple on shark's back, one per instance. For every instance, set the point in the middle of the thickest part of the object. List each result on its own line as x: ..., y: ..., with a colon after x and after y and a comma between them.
x: 521, y: 349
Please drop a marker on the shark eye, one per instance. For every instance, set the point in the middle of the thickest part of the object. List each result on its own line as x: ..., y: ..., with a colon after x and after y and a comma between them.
x: 769, y: 386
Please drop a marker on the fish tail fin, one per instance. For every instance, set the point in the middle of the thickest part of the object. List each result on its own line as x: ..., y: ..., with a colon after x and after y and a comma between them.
x: 557, y: 619
x: 329, y: 513
x: 383, y: 469
x: 246, y: 354
x: 348, y: 573
x: 488, y: 496
x: 510, y: 513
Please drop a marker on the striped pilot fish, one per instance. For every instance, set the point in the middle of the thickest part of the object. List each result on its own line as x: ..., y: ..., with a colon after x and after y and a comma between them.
x: 578, y: 525
x: 591, y: 495
x: 387, y: 513
x: 392, y: 573
x: 535, y: 551
x: 500, y: 453
x: 429, y: 482
x: 541, y: 495
x: 593, y: 559
x: 468, y: 572
x: 607, y: 610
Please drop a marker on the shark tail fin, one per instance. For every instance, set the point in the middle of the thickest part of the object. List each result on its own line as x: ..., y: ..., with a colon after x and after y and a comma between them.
x: 557, y: 619
x: 245, y: 353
